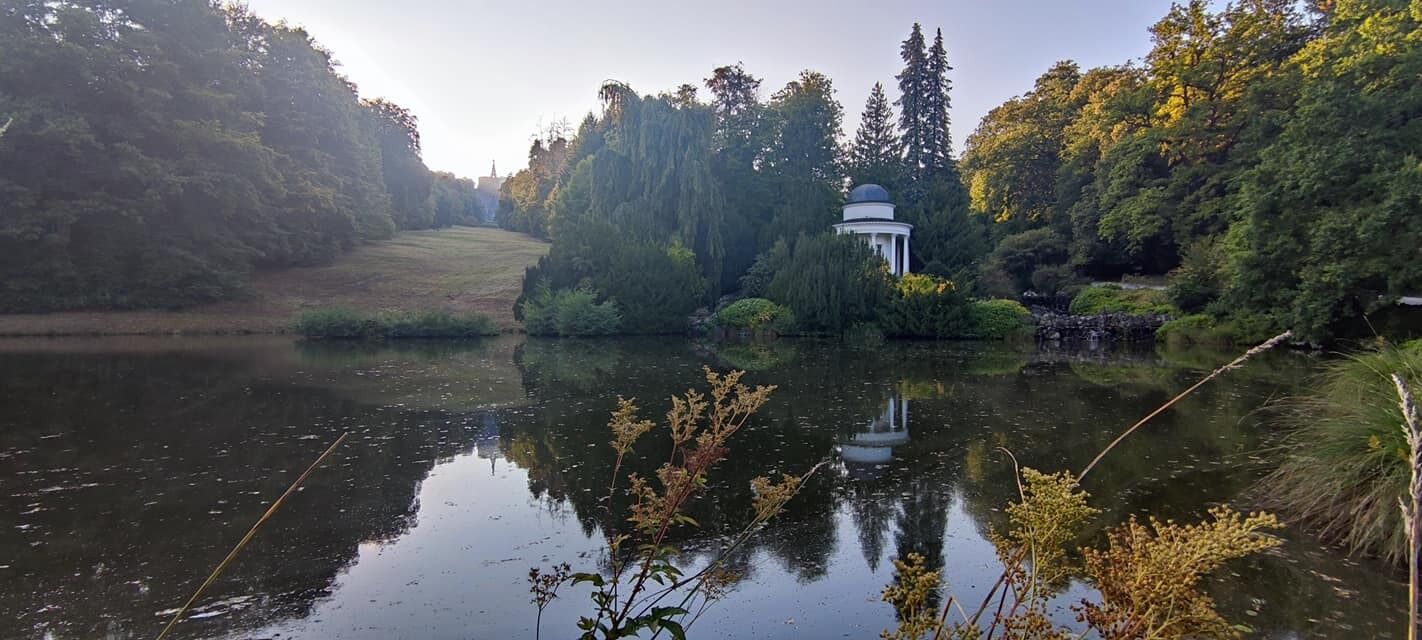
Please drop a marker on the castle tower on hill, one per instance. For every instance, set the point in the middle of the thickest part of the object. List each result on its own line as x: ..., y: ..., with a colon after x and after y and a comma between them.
x: 488, y: 191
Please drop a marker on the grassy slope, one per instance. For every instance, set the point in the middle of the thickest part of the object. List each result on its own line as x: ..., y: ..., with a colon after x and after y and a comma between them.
x: 459, y: 270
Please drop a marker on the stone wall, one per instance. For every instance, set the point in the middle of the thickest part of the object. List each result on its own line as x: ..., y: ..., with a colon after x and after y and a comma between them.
x: 1106, y: 327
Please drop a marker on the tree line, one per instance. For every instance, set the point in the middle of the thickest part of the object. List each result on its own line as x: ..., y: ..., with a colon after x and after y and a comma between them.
x: 1263, y: 157
x: 159, y: 151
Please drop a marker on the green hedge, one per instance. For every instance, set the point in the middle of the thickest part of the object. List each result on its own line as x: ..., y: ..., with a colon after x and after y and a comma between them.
x: 757, y: 314
x: 340, y: 323
x: 998, y: 319
x: 1114, y: 299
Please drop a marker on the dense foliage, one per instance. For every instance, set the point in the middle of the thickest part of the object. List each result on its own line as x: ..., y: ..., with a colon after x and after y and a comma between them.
x: 1114, y: 299
x: 757, y: 314
x: 656, y: 287
x: 157, y: 152
x: 925, y: 307
x: 569, y: 312
x: 1265, y: 154
x: 832, y: 282
x: 348, y: 324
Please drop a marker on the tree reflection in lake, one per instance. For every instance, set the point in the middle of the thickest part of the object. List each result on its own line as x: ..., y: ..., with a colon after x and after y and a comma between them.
x: 130, y: 467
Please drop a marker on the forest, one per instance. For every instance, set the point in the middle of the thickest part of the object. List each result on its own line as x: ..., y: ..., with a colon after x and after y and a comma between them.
x: 158, y: 152
x: 1262, y: 158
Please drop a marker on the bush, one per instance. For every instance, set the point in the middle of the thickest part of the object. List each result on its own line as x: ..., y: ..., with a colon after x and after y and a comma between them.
x: 831, y: 282
x: 339, y: 323
x: 656, y: 287
x: 925, y: 307
x: 756, y: 314
x: 569, y: 312
x: 756, y: 281
x: 1345, y: 463
x: 1203, y: 328
x: 1114, y: 299
x: 437, y: 324
x: 1020, y: 255
x: 1200, y: 278
x: 997, y: 319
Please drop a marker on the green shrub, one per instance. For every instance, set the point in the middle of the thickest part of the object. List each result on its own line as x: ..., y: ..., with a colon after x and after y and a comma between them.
x: 757, y: 314
x: 342, y: 323
x: 1201, y: 276
x: 437, y: 324
x: 756, y: 281
x: 569, y: 312
x: 656, y: 287
x: 831, y: 282
x: 1114, y: 299
x: 337, y: 323
x: 1203, y: 328
x: 580, y: 314
x: 925, y: 306
x: 1345, y: 460
x: 1019, y: 256
x: 998, y: 319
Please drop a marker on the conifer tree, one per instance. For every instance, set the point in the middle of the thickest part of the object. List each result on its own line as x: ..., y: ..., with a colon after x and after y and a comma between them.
x: 911, y: 98
x: 874, y: 156
x: 937, y: 142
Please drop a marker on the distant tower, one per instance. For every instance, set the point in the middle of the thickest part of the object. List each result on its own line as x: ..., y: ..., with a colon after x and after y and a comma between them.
x: 870, y: 213
x: 489, y: 191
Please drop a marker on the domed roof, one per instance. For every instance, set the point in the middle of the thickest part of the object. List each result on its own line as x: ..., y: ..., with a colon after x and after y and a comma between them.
x: 868, y: 193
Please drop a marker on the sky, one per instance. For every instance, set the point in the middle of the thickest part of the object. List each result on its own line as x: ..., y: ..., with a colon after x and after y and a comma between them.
x: 483, y: 77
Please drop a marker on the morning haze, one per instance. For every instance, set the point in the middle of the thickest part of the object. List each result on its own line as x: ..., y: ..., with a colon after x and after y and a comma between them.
x: 482, y: 76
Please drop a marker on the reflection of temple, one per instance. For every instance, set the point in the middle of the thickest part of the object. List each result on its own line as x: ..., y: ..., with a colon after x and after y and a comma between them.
x: 873, y: 443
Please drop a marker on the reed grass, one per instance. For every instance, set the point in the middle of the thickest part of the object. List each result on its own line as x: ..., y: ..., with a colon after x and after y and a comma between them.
x: 251, y: 533
x: 1411, y: 504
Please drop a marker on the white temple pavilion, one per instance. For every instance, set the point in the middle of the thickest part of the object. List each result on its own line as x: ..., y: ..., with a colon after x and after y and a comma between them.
x: 870, y: 213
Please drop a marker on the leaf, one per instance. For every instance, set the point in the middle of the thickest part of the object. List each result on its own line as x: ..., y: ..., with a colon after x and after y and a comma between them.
x: 674, y: 628
x: 594, y: 578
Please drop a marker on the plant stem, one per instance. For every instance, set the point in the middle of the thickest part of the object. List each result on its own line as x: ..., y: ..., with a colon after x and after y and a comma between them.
x: 250, y: 534
x: 1413, y: 502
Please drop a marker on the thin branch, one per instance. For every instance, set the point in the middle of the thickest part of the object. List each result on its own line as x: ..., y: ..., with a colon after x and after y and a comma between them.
x: 250, y: 534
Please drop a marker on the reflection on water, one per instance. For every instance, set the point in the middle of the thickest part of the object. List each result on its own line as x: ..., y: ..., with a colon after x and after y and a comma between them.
x: 131, y: 466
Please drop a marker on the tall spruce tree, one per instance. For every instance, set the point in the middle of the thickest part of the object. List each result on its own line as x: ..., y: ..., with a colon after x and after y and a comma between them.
x: 911, y: 99
x: 875, y: 155
x: 937, y: 142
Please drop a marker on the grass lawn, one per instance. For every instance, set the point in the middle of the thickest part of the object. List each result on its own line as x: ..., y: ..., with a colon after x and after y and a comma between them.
x: 460, y: 270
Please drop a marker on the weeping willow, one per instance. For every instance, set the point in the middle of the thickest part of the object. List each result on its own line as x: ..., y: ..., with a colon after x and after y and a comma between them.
x: 644, y: 166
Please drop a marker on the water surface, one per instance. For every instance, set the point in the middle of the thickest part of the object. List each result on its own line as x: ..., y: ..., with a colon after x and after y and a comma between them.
x: 128, y: 468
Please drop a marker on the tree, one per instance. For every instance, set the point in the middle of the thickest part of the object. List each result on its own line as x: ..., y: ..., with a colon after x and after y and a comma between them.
x: 913, y: 107
x: 802, y: 165
x: 1332, y: 214
x: 406, y: 177
x: 739, y: 141
x: 874, y: 157
x: 937, y: 142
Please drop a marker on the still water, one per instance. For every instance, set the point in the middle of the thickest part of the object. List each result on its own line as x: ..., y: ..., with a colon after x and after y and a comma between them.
x: 128, y: 468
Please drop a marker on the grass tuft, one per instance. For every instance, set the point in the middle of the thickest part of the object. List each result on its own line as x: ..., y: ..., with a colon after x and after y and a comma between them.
x: 1346, y: 457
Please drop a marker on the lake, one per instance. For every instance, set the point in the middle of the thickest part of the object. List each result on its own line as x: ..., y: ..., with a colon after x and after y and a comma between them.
x: 130, y: 466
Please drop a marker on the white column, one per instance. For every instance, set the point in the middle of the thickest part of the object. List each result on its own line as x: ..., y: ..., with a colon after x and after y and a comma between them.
x: 906, y: 254
x: 893, y: 255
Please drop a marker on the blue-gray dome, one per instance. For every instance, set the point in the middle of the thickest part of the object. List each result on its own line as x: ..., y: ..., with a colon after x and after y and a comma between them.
x: 869, y: 193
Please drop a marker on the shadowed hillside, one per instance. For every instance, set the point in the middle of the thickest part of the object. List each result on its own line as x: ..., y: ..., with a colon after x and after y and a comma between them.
x: 461, y: 270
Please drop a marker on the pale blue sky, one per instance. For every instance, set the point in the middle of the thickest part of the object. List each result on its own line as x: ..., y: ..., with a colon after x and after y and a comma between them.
x: 481, y: 76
